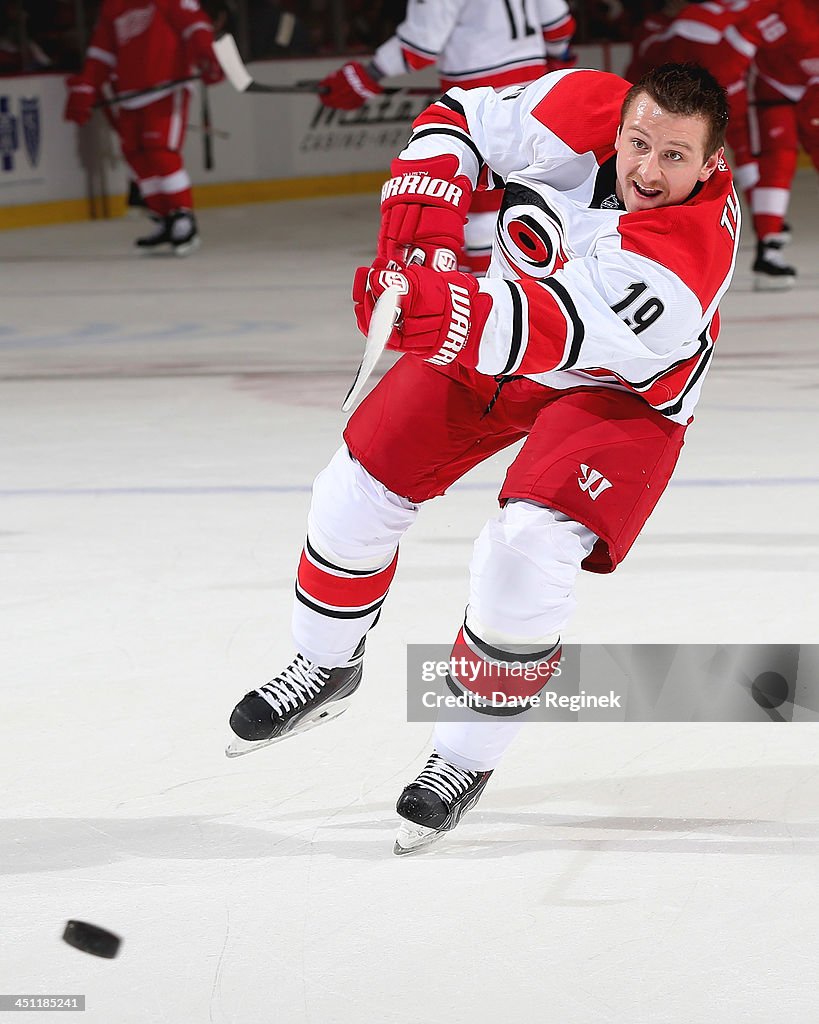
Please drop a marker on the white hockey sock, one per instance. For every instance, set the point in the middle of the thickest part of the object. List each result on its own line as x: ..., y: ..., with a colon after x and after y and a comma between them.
x: 477, y: 743
x: 353, y: 530
x: 523, y: 570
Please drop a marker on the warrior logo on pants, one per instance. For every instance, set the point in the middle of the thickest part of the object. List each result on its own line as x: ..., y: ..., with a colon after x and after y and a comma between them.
x: 592, y: 481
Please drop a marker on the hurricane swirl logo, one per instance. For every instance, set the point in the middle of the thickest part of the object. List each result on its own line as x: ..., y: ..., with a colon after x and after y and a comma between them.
x: 530, y: 234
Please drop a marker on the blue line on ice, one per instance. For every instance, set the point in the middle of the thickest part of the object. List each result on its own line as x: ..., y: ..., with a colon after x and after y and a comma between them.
x: 203, y: 489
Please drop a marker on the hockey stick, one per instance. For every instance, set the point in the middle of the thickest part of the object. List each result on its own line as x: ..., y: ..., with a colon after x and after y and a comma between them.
x: 386, y: 314
x: 216, y: 133
x: 240, y: 78
x: 120, y: 96
x: 207, y: 128
x: 397, y: 90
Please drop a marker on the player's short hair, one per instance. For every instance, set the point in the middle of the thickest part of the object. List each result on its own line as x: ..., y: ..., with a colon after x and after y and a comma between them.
x: 687, y: 90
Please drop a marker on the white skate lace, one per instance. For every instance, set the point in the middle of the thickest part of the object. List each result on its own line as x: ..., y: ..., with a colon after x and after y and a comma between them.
x: 294, y: 687
x: 446, y: 780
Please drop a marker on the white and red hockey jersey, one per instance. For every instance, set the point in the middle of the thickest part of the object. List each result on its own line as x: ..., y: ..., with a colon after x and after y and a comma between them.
x: 584, y: 293
x: 478, y: 42
x: 144, y: 43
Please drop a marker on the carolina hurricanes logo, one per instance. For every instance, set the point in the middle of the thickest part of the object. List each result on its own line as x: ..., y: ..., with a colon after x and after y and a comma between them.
x: 529, y: 233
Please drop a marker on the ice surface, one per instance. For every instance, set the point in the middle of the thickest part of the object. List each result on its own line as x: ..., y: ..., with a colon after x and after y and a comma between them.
x: 161, y: 422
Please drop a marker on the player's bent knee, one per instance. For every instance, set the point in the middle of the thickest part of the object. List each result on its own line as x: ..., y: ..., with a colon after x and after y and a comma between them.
x: 354, y: 519
x: 523, y: 571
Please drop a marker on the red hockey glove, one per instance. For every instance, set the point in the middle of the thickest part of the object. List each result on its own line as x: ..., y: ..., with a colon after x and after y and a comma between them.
x: 442, y: 314
x: 424, y: 206
x: 348, y: 88
x: 203, y: 57
x: 80, y: 102
x: 211, y: 71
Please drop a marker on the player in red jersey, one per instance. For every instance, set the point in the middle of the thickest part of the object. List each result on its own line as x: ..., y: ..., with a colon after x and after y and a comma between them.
x: 144, y: 44
x: 727, y: 37
x: 589, y: 338
x: 723, y: 36
x: 784, y: 112
x: 654, y: 25
x: 474, y: 43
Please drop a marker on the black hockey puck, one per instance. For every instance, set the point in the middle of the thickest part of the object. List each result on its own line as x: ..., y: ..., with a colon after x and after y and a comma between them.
x: 770, y: 690
x: 91, y: 939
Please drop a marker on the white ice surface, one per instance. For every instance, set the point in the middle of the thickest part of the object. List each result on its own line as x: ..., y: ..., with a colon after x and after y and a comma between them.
x: 161, y: 421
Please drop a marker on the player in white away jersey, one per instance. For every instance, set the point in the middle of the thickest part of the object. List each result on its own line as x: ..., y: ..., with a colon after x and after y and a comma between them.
x: 589, y: 338
x: 474, y: 43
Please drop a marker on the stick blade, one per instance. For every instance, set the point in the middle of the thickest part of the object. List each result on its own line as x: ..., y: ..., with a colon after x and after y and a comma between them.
x: 298, y: 88
x: 384, y: 318
x: 227, y: 54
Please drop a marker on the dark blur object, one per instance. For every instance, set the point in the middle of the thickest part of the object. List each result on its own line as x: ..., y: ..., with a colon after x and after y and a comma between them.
x: 49, y: 35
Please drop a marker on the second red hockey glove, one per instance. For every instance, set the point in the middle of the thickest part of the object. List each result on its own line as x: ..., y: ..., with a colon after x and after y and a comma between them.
x: 211, y: 71
x: 202, y: 55
x: 80, y: 102
x: 442, y: 314
x: 348, y: 88
x: 424, y: 207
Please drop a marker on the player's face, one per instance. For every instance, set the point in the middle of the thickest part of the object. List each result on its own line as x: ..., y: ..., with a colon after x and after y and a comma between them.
x: 660, y: 156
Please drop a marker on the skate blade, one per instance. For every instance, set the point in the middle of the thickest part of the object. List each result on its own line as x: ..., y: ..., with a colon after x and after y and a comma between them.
x: 186, y: 248
x: 237, y: 747
x: 763, y: 283
x: 412, y: 837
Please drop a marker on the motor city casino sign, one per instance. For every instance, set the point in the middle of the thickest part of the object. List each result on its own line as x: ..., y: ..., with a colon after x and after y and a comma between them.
x: 360, y: 139
x: 20, y: 134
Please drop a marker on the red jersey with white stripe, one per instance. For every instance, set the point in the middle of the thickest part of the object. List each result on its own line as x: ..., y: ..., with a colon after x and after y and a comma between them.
x: 584, y: 293
x: 145, y: 43
x: 726, y: 38
x: 722, y: 36
x: 478, y: 42
x: 791, y: 60
x: 652, y: 27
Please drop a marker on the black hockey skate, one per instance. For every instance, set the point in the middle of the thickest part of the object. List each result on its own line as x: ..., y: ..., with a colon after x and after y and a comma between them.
x: 300, y: 697
x: 435, y: 802
x: 134, y: 202
x: 178, y: 230
x: 771, y: 272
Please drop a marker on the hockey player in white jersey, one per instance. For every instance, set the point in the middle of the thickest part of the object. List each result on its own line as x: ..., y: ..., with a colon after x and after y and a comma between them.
x: 589, y: 338
x: 474, y: 43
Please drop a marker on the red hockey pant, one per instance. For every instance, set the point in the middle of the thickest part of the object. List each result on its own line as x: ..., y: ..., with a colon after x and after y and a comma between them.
x: 774, y: 136
x: 599, y: 456
x: 152, y: 138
